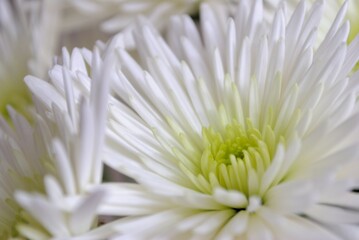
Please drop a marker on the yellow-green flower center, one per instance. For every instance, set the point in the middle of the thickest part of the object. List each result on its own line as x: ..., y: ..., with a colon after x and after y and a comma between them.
x: 235, y: 158
x: 236, y: 143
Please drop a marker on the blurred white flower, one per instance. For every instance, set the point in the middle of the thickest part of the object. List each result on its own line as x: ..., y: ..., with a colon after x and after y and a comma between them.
x: 121, y: 15
x: 118, y: 14
x: 241, y: 132
x: 50, y: 170
x: 28, y: 38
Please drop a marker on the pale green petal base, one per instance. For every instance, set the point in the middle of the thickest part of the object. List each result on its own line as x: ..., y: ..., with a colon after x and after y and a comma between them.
x: 17, y: 97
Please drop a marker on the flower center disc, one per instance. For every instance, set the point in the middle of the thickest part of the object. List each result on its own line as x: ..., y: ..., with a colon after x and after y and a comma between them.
x: 234, y: 159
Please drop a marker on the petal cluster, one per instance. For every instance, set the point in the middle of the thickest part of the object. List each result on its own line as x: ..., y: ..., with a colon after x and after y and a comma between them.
x: 53, y: 165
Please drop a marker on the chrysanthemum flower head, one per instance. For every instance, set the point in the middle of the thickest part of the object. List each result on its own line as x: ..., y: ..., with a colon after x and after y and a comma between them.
x: 237, y: 130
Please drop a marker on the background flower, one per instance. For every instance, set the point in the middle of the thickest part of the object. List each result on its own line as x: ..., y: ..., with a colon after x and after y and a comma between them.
x: 28, y: 38
x: 31, y: 32
x: 54, y: 165
x: 121, y: 15
x: 237, y: 132
x: 330, y: 11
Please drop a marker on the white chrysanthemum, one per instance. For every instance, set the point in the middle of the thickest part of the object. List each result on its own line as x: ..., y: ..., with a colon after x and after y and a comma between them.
x: 62, y: 146
x: 28, y: 37
x: 331, y: 7
x: 242, y: 132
